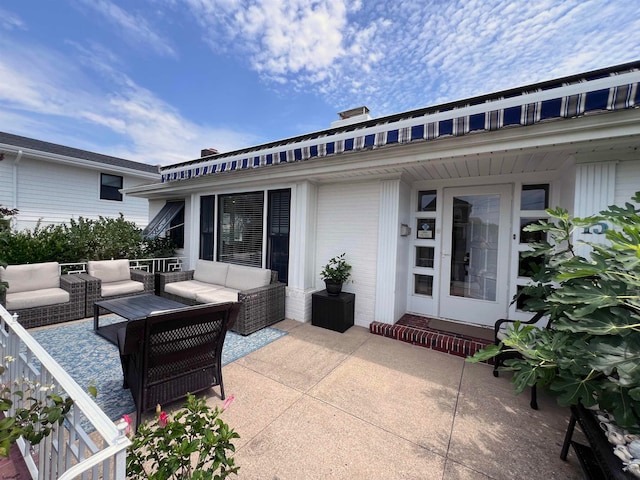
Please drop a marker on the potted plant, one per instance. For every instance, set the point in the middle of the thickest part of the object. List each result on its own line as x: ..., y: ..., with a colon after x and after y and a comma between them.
x: 590, y: 354
x: 336, y: 272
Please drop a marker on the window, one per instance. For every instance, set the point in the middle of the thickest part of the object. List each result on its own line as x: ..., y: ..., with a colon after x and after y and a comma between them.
x: 278, y: 233
x: 534, y: 197
x: 176, y: 229
x: 240, y: 220
x: 110, y: 186
x: 207, y: 207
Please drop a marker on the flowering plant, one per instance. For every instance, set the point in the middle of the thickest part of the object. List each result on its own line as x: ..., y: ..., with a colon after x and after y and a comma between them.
x: 193, y: 443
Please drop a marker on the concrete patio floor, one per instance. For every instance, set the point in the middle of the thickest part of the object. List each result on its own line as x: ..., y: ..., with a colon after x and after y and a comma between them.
x: 318, y: 404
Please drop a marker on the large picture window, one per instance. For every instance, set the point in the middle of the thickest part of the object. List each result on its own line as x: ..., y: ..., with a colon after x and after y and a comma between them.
x: 240, y: 220
x: 110, y: 186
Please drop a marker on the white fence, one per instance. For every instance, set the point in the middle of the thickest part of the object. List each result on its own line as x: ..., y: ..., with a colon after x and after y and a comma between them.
x: 153, y: 265
x: 69, y: 452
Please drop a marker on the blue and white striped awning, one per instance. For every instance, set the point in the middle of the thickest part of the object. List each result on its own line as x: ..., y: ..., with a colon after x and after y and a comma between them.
x: 615, y: 91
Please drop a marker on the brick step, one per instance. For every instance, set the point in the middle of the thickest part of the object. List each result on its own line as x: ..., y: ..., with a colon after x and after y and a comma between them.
x: 417, y: 331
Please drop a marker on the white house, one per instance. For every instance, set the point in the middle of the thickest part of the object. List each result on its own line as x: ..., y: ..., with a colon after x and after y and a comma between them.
x: 52, y: 183
x: 429, y: 205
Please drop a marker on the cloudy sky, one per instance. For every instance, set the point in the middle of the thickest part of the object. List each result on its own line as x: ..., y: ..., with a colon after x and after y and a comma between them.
x: 158, y: 80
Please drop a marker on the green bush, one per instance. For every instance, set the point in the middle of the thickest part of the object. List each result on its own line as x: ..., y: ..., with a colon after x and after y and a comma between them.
x: 81, y: 240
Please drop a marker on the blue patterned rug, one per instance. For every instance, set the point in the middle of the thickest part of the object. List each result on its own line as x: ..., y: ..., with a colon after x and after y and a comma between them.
x: 90, y: 359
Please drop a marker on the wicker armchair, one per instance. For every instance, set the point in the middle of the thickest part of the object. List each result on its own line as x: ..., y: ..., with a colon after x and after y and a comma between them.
x: 40, y: 315
x: 95, y: 283
x: 259, y: 307
x: 169, y: 354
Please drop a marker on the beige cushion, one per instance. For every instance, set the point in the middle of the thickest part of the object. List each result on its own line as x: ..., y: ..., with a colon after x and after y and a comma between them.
x: 109, y: 270
x: 189, y: 288
x: 121, y: 288
x: 217, y: 296
x: 34, y: 276
x: 245, y: 278
x: 36, y: 298
x: 211, y: 272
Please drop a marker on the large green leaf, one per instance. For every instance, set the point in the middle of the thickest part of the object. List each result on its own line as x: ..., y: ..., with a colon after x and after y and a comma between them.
x: 611, y: 321
x: 618, y: 358
x: 571, y: 389
x: 619, y: 403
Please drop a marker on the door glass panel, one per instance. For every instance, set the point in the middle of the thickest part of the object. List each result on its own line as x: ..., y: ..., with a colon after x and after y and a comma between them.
x: 424, y: 257
x: 427, y: 201
x: 425, y: 228
x: 474, y: 246
x: 423, y: 284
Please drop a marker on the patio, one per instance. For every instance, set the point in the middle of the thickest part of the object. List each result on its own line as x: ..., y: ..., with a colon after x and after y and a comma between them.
x: 320, y: 404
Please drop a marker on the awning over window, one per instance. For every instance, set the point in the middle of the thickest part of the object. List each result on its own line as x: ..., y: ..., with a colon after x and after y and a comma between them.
x: 162, y: 220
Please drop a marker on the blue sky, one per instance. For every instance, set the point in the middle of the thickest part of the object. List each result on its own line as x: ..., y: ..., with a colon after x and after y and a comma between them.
x: 158, y: 80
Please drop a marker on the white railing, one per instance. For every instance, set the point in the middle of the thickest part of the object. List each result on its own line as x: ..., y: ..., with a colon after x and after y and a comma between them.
x: 153, y: 265
x: 69, y: 452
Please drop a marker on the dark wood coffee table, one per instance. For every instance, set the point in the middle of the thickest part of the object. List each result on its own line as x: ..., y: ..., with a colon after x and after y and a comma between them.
x: 132, y: 308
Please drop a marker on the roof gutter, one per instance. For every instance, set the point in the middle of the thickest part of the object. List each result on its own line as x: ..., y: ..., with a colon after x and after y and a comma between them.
x: 52, y: 157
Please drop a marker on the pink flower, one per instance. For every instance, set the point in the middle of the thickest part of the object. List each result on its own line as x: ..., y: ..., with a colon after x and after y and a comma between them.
x: 127, y: 420
x: 228, y: 402
x: 162, y: 419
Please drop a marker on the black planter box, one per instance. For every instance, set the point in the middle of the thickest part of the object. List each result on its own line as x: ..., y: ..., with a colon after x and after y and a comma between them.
x: 332, y: 312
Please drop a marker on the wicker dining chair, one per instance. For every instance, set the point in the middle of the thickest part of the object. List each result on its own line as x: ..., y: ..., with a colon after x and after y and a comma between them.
x: 169, y: 354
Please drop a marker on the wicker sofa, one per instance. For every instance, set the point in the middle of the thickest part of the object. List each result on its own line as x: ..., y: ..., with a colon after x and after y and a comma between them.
x: 260, y: 294
x: 109, y: 279
x: 40, y: 295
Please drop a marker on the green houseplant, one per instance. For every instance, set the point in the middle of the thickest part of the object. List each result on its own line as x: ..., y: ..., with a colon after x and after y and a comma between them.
x: 590, y: 353
x: 336, y: 272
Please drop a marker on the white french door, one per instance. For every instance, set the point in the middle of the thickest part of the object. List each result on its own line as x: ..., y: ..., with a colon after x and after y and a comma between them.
x: 475, y: 252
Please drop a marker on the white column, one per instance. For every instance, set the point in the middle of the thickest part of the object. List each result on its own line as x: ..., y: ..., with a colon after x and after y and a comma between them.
x: 595, y: 191
x: 388, y: 232
x: 302, y: 247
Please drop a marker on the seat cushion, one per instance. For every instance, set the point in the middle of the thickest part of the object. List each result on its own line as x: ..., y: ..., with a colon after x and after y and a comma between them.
x: 29, y: 277
x: 109, y: 270
x: 211, y: 272
x: 189, y: 288
x: 36, y: 298
x: 121, y: 288
x: 245, y: 278
x: 219, y: 295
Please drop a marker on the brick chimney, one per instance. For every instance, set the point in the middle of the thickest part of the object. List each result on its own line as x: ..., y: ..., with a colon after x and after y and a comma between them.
x: 207, y: 152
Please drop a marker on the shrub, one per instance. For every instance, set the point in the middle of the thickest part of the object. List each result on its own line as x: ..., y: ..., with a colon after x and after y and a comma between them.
x: 591, y: 352
x: 82, y: 240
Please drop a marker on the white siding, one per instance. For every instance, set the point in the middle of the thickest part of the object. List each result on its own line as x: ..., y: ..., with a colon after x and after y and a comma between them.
x: 56, y: 193
x: 627, y: 181
x: 6, y: 183
x: 348, y: 222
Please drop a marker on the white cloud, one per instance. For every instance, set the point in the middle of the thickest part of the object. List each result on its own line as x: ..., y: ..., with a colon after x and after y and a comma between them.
x: 44, y: 92
x: 395, y: 56
x: 11, y: 21
x: 134, y: 27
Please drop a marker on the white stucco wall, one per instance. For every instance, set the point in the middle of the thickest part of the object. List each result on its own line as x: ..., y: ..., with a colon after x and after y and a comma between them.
x: 347, y: 221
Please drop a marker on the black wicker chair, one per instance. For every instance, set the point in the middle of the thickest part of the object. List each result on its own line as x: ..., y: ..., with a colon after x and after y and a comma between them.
x: 169, y: 354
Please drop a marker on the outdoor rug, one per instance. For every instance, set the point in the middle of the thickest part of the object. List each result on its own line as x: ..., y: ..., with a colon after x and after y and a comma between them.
x: 92, y: 360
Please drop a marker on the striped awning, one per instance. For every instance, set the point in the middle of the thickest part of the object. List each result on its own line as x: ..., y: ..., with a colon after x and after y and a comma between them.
x: 612, y: 92
x: 160, y: 223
